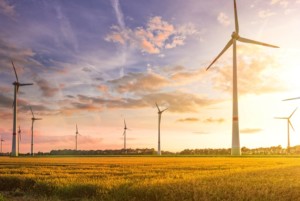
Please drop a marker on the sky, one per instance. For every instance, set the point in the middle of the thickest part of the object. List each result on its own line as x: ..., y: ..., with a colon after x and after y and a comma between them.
x: 95, y: 63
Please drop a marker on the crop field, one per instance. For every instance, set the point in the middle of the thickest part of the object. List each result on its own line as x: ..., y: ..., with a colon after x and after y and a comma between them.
x: 150, y: 178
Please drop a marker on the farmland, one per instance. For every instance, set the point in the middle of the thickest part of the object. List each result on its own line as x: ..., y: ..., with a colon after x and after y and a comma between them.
x: 150, y: 178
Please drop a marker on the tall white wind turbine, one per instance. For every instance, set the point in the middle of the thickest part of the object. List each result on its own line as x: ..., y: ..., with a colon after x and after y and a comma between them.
x: 124, y: 134
x: 32, y: 121
x: 19, y: 133
x: 288, y: 127
x: 159, y: 120
x: 236, y: 150
x: 76, y: 137
x: 17, y: 84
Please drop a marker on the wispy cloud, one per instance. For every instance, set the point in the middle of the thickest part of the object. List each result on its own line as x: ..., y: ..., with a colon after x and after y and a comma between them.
x: 212, y: 120
x: 283, y: 3
x: 66, y: 29
x: 265, y: 13
x: 189, y: 119
x: 223, y: 19
x: 139, y: 82
x: 46, y: 88
x: 250, y: 130
x: 6, y: 9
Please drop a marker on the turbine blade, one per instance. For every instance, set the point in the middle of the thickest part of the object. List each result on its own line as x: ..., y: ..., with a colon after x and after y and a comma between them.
x: 31, y: 112
x: 157, y: 107
x: 222, y: 52
x: 76, y: 129
x: 124, y: 132
x: 293, y: 113
x: 280, y: 118
x: 236, y: 18
x: 164, y: 110
x: 246, y: 40
x: 15, y: 70
x: 18, y: 85
x: 125, y: 127
x: 291, y: 125
x: 38, y: 118
x: 26, y: 84
x: 291, y: 99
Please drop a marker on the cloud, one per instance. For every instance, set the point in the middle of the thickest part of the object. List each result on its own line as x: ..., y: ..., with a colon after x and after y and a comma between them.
x: 176, y: 101
x: 155, y: 37
x: 139, y: 82
x: 7, y: 9
x: 212, y: 120
x: 190, y: 119
x: 255, y: 72
x: 119, y: 13
x: 283, y: 3
x: 10, y: 51
x: 250, y: 130
x: 265, y: 13
x: 223, y: 19
x: 45, y: 86
x: 5, y: 101
x: 66, y: 29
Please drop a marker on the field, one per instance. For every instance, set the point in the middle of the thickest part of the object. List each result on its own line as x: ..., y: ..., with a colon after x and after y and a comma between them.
x: 150, y: 178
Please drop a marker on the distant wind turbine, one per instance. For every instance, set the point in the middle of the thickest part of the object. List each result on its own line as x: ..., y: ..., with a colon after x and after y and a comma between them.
x: 17, y: 84
x: 236, y: 150
x: 19, y: 133
x: 1, y: 144
x: 76, y: 137
x: 124, y: 134
x: 288, y: 127
x: 159, y: 120
x: 32, y: 121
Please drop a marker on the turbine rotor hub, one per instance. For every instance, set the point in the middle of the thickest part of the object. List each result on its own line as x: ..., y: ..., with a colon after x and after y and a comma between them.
x: 235, y: 35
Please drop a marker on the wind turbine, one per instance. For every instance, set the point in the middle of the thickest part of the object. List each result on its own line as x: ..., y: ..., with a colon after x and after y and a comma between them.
x: 124, y: 134
x: 17, y: 84
x: 288, y: 127
x: 32, y: 120
x: 19, y: 133
x: 236, y: 150
x: 159, y: 119
x: 1, y: 144
x: 76, y: 136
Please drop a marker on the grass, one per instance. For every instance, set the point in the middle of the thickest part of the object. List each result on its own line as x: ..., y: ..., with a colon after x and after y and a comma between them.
x: 152, y: 178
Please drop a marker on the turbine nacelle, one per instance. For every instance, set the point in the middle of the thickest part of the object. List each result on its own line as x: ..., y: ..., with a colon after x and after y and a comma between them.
x: 235, y: 35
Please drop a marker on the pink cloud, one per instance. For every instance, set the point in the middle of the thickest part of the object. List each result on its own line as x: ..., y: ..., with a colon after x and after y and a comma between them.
x: 155, y: 37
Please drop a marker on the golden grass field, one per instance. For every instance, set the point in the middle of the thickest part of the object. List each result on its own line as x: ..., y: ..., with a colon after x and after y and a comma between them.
x: 150, y: 178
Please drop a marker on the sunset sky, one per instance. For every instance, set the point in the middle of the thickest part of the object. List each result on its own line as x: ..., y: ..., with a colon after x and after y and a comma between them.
x: 97, y: 62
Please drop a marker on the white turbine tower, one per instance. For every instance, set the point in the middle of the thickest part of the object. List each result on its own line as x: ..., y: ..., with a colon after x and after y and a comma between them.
x: 288, y: 127
x: 19, y: 133
x: 1, y: 144
x: 17, y: 84
x: 32, y: 121
x: 76, y: 137
x: 124, y: 134
x: 159, y: 120
x: 235, y: 150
